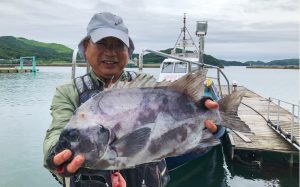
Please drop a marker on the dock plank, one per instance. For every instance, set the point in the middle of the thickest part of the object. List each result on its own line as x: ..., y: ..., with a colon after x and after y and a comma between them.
x: 254, y: 112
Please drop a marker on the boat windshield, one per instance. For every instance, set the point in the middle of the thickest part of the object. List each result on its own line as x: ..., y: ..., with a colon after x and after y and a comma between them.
x: 180, y: 67
x: 194, y: 67
x: 167, y: 67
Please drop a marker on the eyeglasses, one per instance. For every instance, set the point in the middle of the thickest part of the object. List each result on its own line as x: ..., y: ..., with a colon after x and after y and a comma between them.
x: 117, y: 46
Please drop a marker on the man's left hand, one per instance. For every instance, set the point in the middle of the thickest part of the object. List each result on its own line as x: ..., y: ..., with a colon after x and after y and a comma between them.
x: 209, y: 124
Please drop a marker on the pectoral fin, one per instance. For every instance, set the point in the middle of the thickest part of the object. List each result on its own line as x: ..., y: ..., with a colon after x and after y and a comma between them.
x: 132, y: 143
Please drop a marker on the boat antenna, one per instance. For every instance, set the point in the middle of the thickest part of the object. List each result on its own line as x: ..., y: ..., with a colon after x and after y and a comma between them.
x: 184, y: 41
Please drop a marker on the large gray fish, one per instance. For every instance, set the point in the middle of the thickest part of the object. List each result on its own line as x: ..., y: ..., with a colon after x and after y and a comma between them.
x: 122, y: 128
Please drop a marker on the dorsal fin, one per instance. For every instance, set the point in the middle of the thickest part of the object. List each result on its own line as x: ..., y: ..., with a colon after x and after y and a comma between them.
x: 142, y: 80
x: 191, y: 84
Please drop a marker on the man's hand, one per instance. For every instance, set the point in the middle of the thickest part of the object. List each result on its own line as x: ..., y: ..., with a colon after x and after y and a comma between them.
x: 117, y: 180
x: 73, y: 166
x: 209, y: 124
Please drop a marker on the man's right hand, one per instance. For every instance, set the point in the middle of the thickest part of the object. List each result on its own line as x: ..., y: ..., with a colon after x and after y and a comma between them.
x: 63, y: 156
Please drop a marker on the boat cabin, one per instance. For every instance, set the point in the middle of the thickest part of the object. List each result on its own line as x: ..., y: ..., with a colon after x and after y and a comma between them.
x: 172, y: 69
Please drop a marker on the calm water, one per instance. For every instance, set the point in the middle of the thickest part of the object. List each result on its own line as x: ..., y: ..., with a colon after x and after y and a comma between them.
x: 25, y: 116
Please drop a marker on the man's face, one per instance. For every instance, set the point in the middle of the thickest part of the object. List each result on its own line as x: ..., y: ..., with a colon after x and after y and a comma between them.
x: 108, y: 57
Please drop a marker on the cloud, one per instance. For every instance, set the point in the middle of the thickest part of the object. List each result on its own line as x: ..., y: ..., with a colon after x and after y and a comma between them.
x: 281, y: 5
x: 236, y: 28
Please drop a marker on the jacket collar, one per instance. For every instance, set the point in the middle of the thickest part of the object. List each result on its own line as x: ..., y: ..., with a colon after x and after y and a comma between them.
x: 100, y: 80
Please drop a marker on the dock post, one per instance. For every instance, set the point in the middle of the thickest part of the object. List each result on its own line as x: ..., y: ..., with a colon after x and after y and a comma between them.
x: 292, y: 125
x: 232, y: 144
x: 33, y: 64
x: 269, y: 101
x: 278, y: 108
x: 21, y: 63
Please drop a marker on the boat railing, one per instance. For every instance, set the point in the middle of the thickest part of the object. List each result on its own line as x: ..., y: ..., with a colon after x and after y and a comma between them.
x: 140, y: 65
x: 74, y: 59
x: 286, y: 126
x: 219, y: 71
x: 74, y: 63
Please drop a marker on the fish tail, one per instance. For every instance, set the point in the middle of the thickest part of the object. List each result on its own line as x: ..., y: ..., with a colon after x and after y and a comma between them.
x: 228, y: 107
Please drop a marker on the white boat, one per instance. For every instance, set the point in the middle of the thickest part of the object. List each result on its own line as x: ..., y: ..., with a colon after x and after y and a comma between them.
x: 171, y: 69
x: 189, y: 58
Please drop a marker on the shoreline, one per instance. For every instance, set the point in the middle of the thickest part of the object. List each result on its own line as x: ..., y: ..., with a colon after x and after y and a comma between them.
x: 145, y: 66
x: 78, y: 65
x: 274, y: 67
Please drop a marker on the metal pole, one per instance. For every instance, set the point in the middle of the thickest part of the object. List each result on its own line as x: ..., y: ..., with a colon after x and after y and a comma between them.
x: 278, y: 108
x: 219, y: 83
x: 298, y: 111
x: 184, y: 39
x: 228, y: 85
x: 141, y: 58
x: 201, y: 49
x: 293, y: 121
x: 75, y: 51
x: 269, y: 101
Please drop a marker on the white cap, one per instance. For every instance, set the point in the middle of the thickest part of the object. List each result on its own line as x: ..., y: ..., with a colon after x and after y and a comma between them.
x: 104, y: 25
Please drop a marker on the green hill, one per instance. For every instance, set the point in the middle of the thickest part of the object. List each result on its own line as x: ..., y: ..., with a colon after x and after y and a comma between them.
x: 284, y: 62
x: 294, y: 62
x: 232, y: 63
x: 13, y: 48
x: 155, y: 59
x: 255, y: 63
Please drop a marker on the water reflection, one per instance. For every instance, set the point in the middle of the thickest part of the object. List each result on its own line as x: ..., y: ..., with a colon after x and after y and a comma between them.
x: 205, y: 171
x: 213, y: 170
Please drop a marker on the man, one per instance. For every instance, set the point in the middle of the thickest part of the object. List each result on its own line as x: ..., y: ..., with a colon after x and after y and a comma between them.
x: 107, y: 48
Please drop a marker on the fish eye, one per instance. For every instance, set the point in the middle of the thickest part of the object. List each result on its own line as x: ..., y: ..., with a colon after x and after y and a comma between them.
x: 64, y: 143
x: 100, y: 126
x: 74, y: 135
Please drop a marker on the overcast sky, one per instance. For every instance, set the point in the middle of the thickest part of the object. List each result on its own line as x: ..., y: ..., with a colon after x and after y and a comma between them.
x: 237, y: 29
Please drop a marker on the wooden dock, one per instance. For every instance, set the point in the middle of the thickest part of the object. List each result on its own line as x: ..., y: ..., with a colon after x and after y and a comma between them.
x: 14, y: 70
x: 262, y: 137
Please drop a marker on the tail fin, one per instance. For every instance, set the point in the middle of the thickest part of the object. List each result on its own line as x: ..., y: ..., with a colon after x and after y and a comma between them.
x: 228, y: 109
x: 231, y: 103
